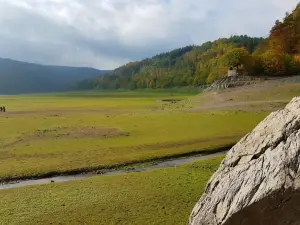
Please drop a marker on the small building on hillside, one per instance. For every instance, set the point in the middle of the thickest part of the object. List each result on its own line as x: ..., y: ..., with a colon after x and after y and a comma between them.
x: 232, y: 72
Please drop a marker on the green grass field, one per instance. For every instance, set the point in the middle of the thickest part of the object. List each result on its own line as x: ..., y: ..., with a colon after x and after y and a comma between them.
x: 164, y: 196
x: 63, y: 132
x: 68, y: 131
x: 94, y: 100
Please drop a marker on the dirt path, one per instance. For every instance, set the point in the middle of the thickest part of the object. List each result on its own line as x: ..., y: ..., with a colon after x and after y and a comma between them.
x: 159, y: 165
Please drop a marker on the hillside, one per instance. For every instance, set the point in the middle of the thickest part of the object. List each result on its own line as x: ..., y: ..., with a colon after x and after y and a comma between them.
x: 191, y: 65
x: 279, y: 54
x: 20, y: 77
x: 197, y: 65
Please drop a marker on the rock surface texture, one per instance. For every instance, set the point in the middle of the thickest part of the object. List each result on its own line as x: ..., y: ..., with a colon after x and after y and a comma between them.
x: 231, y: 82
x: 258, y: 183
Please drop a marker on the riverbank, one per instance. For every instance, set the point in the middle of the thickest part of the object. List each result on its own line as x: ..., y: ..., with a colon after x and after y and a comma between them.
x: 68, y: 135
x: 160, y: 163
x: 160, y: 196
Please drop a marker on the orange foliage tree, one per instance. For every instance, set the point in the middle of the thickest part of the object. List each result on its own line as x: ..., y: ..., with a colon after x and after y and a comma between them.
x: 274, y: 63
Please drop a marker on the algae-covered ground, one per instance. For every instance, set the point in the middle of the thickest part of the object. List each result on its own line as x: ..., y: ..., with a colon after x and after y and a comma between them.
x: 68, y: 131
x: 164, y: 196
x: 64, y: 132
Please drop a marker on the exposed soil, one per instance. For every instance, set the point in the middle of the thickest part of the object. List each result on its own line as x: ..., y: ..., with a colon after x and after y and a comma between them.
x: 171, y: 100
x: 79, y: 132
x: 262, y: 96
x: 68, y: 132
x: 264, y: 105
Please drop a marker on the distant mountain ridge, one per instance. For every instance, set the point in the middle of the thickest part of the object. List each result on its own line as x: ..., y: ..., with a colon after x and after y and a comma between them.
x: 18, y: 77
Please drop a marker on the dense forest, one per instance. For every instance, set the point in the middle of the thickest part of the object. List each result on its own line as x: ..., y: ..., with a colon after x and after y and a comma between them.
x: 20, y: 77
x: 196, y: 65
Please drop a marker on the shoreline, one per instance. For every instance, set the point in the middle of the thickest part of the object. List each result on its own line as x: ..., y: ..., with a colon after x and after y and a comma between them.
x: 82, y: 173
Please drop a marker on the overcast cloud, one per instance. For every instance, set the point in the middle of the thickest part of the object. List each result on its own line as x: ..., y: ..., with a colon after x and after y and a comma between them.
x: 108, y: 33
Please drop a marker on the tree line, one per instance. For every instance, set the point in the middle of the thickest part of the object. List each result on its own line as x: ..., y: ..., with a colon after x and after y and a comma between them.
x: 197, y: 65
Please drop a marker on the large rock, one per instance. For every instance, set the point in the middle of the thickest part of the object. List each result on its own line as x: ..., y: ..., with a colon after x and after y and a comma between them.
x: 259, y: 180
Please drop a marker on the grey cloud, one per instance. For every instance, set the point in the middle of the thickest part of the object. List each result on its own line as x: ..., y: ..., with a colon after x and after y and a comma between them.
x: 108, y: 33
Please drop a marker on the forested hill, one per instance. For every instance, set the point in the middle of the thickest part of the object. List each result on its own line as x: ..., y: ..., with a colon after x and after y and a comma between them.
x: 191, y: 65
x: 19, y: 77
x: 279, y: 54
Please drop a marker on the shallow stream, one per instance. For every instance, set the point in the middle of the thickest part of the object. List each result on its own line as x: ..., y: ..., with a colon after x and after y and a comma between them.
x: 159, y: 165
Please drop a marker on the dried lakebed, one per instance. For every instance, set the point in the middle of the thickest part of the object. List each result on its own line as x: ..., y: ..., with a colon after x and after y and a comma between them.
x: 159, y: 165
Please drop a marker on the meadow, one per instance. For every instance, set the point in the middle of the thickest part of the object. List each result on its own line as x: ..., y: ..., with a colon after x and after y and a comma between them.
x: 164, y: 196
x: 60, y: 133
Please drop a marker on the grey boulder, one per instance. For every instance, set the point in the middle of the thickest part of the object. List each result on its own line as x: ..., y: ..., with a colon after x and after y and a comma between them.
x: 258, y: 183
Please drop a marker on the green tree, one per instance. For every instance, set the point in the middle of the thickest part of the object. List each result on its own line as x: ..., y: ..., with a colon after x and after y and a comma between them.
x: 186, y: 66
x: 236, y: 57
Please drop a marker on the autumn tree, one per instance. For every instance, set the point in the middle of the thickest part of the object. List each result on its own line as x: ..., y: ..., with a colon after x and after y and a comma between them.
x: 274, y: 63
x: 191, y: 65
x: 236, y: 57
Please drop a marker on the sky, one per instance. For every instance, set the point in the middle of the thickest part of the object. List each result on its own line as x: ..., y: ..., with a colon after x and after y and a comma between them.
x: 105, y: 34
